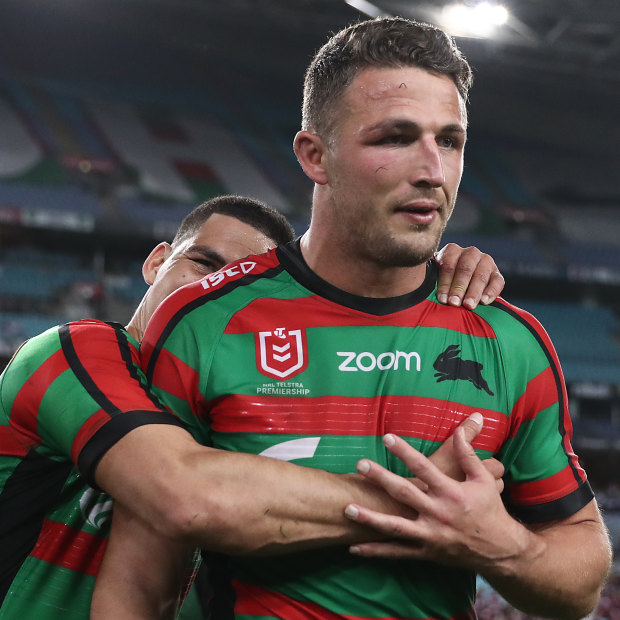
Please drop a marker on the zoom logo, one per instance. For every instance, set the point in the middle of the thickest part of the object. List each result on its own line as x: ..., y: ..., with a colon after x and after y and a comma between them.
x: 390, y: 360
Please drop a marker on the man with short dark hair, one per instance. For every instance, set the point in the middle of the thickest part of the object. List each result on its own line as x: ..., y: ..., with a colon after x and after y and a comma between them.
x: 337, y: 339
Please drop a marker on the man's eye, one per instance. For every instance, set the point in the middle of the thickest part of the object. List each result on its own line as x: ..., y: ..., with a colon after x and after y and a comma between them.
x: 395, y: 139
x: 447, y: 142
x: 205, y: 264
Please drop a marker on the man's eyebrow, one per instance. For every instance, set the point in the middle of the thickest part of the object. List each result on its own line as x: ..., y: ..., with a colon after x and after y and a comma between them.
x: 454, y: 129
x: 207, y: 253
x: 393, y: 123
x: 408, y: 125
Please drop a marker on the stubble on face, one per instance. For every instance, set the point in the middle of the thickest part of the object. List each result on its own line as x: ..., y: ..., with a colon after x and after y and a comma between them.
x: 370, y: 185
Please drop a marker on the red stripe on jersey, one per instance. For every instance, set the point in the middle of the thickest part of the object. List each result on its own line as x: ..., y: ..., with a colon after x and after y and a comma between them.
x: 98, y: 351
x: 192, y: 292
x: 547, y: 490
x: 69, y: 547
x: 565, y: 425
x: 536, y: 398
x: 174, y: 376
x: 12, y: 443
x: 87, y: 430
x: 253, y: 600
x: 26, y: 404
x: 425, y: 418
x: 262, y: 314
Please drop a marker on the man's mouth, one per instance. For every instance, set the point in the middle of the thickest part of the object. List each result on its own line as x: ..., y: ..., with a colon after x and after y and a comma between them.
x: 419, y: 213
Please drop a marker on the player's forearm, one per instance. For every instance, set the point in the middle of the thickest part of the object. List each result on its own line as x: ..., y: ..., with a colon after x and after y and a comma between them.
x: 232, y: 502
x: 142, y: 573
x: 560, y: 571
x: 260, y: 505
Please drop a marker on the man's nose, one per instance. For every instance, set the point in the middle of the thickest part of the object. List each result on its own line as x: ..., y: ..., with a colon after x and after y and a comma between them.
x: 429, y: 165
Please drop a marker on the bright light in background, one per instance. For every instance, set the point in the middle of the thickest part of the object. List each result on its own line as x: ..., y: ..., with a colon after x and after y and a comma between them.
x: 480, y: 20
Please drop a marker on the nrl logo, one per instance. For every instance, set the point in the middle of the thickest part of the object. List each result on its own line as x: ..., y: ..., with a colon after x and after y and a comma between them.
x: 282, y: 353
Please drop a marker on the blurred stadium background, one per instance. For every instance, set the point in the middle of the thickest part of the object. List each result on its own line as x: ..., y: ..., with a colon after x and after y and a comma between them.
x: 118, y: 116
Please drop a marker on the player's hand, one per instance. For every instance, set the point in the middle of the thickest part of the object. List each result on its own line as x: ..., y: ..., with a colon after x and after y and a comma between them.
x: 467, y: 276
x: 445, y: 460
x: 458, y: 523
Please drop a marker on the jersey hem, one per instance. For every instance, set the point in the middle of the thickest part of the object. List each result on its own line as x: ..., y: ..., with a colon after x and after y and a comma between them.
x: 558, y: 509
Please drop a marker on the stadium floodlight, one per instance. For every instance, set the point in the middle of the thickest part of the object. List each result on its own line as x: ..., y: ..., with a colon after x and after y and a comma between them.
x: 477, y: 20
x: 363, y: 6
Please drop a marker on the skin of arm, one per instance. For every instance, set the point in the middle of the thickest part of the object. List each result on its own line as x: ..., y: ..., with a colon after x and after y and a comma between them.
x: 124, y: 596
x: 555, y: 569
x: 125, y: 572
x: 206, y: 497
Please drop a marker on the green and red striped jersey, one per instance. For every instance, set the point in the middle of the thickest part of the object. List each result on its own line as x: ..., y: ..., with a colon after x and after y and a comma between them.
x: 267, y: 358
x: 65, y: 398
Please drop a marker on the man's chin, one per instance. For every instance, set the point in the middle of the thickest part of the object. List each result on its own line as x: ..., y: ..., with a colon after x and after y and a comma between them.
x: 406, y: 256
x: 411, y: 252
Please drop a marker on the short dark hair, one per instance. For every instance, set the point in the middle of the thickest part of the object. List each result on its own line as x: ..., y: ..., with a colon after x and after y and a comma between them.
x: 383, y: 43
x: 247, y: 210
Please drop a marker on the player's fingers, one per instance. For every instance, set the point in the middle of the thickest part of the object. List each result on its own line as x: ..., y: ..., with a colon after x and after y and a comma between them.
x: 398, y: 487
x: 494, y: 288
x: 496, y: 469
x: 447, y: 258
x: 444, y: 457
x: 470, y: 277
x: 391, y: 550
x: 418, y: 464
x: 390, y: 526
x: 472, y: 426
x: 466, y: 456
x: 486, y: 282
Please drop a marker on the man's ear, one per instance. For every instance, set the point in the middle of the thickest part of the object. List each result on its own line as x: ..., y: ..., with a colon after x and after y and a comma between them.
x: 310, y: 150
x: 154, y: 261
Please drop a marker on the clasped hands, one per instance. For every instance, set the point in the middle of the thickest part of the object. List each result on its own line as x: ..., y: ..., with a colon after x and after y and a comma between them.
x: 452, y: 510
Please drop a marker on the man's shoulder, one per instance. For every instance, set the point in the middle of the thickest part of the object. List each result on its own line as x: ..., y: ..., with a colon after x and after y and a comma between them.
x: 69, y: 345
x: 517, y: 330
x: 230, y: 286
x: 51, y: 340
x: 506, y: 319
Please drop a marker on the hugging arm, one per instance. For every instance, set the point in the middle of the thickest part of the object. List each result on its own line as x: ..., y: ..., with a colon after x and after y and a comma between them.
x: 310, y: 494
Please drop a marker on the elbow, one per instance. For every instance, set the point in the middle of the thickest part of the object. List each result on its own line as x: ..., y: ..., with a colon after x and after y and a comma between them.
x: 586, y: 599
x: 182, y: 516
x: 579, y: 610
x: 202, y: 519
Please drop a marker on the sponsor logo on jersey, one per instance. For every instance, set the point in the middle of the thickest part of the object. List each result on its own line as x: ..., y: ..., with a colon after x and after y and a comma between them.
x: 451, y: 367
x: 389, y: 360
x: 281, y: 353
x: 214, y: 279
x: 96, y: 508
x: 303, y: 448
x: 283, y: 388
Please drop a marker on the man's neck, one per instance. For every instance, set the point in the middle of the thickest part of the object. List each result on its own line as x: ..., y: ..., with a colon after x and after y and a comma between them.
x: 332, y: 263
x: 137, y: 324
